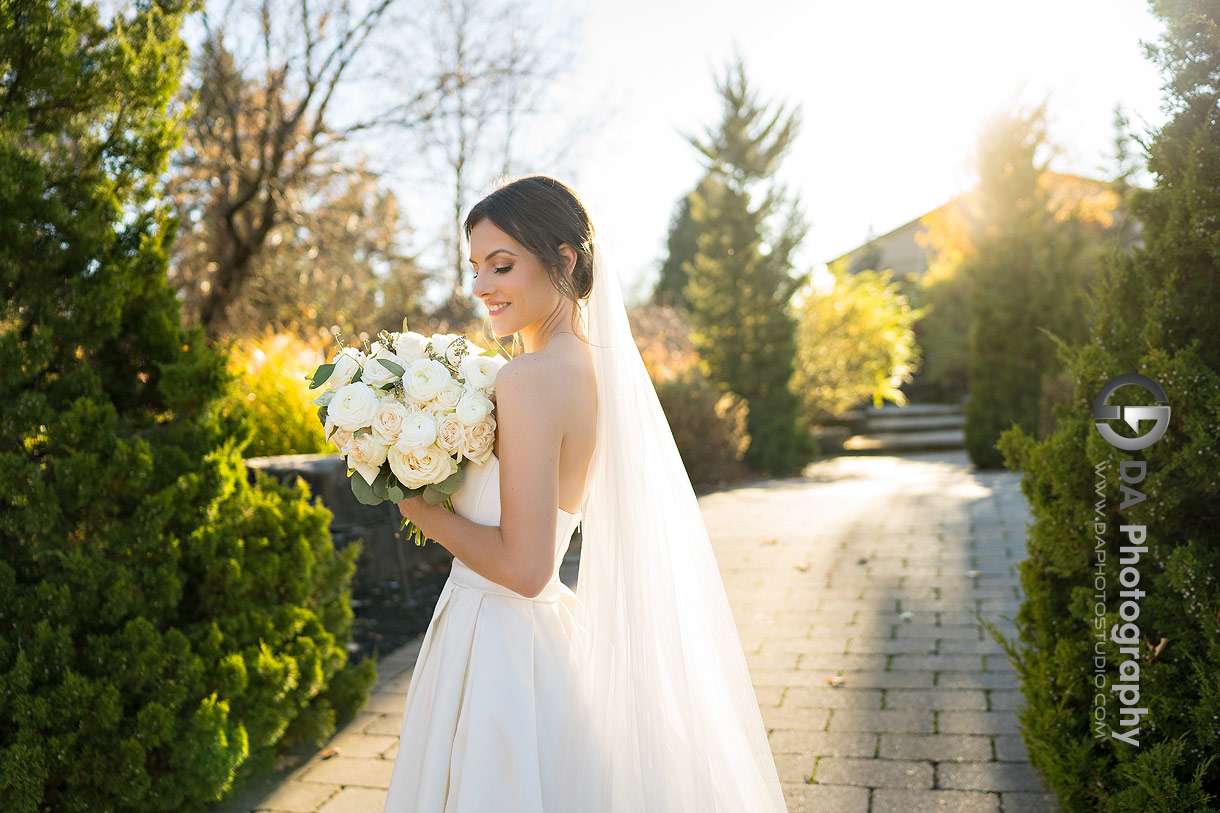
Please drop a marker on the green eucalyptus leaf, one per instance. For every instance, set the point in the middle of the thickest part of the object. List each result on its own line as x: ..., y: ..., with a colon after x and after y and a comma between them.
x: 450, y: 484
x: 380, y: 482
x: 363, y: 491
x: 356, y: 377
x: 396, y: 493
x: 434, y: 496
x: 393, y: 366
x: 321, y: 375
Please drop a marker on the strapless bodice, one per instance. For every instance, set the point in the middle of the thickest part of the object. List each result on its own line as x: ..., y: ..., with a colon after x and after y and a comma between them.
x: 478, y: 500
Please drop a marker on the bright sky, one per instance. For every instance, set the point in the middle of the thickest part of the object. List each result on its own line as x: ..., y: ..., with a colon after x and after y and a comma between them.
x: 892, y: 95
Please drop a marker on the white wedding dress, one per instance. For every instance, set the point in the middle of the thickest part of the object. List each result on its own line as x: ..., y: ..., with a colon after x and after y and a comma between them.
x: 485, y: 718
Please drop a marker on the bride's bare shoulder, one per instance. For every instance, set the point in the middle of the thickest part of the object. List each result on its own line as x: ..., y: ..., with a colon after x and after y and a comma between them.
x: 550, y: 373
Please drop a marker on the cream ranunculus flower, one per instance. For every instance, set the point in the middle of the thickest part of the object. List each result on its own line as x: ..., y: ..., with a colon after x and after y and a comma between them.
x: 349, y: 360
x: 377, y: 374
x: 410, y: 346
x: 473, y: 407
x: 353, y: 406
x: 418, y: 431
x: 424, y: 379
x: 388, y: 422
x: 417, y: 467
x: 341, y: 437
x: 447, y: 399
x: 451, y: 435
x: 441, y: 344
x: 479, y: 372
x: 366, y: 455
x: 479, y: 440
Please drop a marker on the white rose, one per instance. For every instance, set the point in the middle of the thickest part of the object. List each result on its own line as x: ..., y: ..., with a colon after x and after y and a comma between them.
x: 447, y: 399
x: 419, y: 467
x: 479, y: 440
x: 473, y: 407
x: 424, y: 379
x: 366, y: 455
x: 418, y: 430
x: 349, y: 360
x: 388, y: 421
x: 479, y: 372
x: 441, y: 343
x: 340, y: 437
x: 353, y: 406
x: 451, y: 435
x: 377, y: 374
x: 410, y: 346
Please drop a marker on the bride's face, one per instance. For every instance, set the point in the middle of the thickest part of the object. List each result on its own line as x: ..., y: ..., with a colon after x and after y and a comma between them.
x: 510, y: 281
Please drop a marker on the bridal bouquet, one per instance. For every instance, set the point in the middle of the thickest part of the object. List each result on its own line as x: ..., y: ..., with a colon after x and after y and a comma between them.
x: 405, y: 412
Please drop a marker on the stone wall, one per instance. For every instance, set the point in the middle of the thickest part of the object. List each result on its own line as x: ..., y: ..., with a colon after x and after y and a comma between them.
x: 386, y: 555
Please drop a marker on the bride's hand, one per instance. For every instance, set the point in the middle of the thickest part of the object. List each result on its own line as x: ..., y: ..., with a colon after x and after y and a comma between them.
x: 413, y: 507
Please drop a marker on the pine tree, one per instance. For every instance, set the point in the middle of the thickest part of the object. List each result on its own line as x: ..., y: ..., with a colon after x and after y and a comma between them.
x: 739, y: 282
x: 1028, y: 275
x: 1154, y: 313
x: 163, y: 623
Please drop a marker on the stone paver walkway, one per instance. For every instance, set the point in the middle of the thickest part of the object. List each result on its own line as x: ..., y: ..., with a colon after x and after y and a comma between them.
x: 858, y: 574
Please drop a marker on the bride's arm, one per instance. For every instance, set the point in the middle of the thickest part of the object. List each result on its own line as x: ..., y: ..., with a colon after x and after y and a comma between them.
x: 519, y: 553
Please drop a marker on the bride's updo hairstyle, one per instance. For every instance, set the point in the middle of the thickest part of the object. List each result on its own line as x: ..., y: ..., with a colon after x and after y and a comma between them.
x: 542, y: 213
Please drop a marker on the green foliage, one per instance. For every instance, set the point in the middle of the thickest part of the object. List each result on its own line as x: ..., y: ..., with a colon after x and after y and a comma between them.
x: 1027, y: 278
x: 681, y: 246
x: 740, y: 292
x: 1154, y: 311
x: 164, y: 624
x: 709, y: 426
x: 272, y: 398
x: 855, y: 342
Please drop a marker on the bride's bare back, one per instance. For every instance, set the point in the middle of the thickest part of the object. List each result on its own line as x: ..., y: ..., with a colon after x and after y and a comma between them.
x: 564, y: 385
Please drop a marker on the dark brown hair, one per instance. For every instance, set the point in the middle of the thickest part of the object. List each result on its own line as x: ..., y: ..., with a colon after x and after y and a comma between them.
x: 541, y: 213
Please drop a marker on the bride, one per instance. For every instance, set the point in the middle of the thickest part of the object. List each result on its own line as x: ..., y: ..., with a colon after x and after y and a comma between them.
x: 631, y: 694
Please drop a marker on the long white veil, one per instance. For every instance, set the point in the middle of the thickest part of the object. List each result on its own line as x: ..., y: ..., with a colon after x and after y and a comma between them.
x: 668, y: 721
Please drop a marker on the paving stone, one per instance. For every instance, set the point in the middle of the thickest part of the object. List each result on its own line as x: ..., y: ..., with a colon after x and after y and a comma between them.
x: 977, y: 680
x: 355, y: 800
x: 387, y: 702
x: 991, y: 776
x: 1029, y: 803
x: 892, y: 646
x: 794, y: 767
x: 935, y: 747
x: 1010, y: 748
x: 876, y: 679
x: 802, y: 798
x: 348, y: 771
x: 886, y: 800
x: 874, y: 773
x: 937, y: 663
x: 824, y: 743
x: 794, y: 717
x: 826, y: 697
x: 977, y: 722
x: 940, y: 699
x: 296, y: 797
x: 1006, y: 699
x: 918, y: 721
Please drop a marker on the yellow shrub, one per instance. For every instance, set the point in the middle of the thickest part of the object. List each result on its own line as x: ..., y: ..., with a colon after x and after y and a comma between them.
x: 273, y: 397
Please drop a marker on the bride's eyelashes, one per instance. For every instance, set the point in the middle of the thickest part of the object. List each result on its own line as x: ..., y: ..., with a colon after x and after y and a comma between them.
x: 504, y: 270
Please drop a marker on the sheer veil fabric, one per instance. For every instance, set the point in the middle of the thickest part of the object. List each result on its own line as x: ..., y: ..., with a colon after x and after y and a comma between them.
x: 667, y: 718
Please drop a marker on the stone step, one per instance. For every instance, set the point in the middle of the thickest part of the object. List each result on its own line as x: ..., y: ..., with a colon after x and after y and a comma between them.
x: 911, y: 410
x: 887, y: 442
x: 912, y: 423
